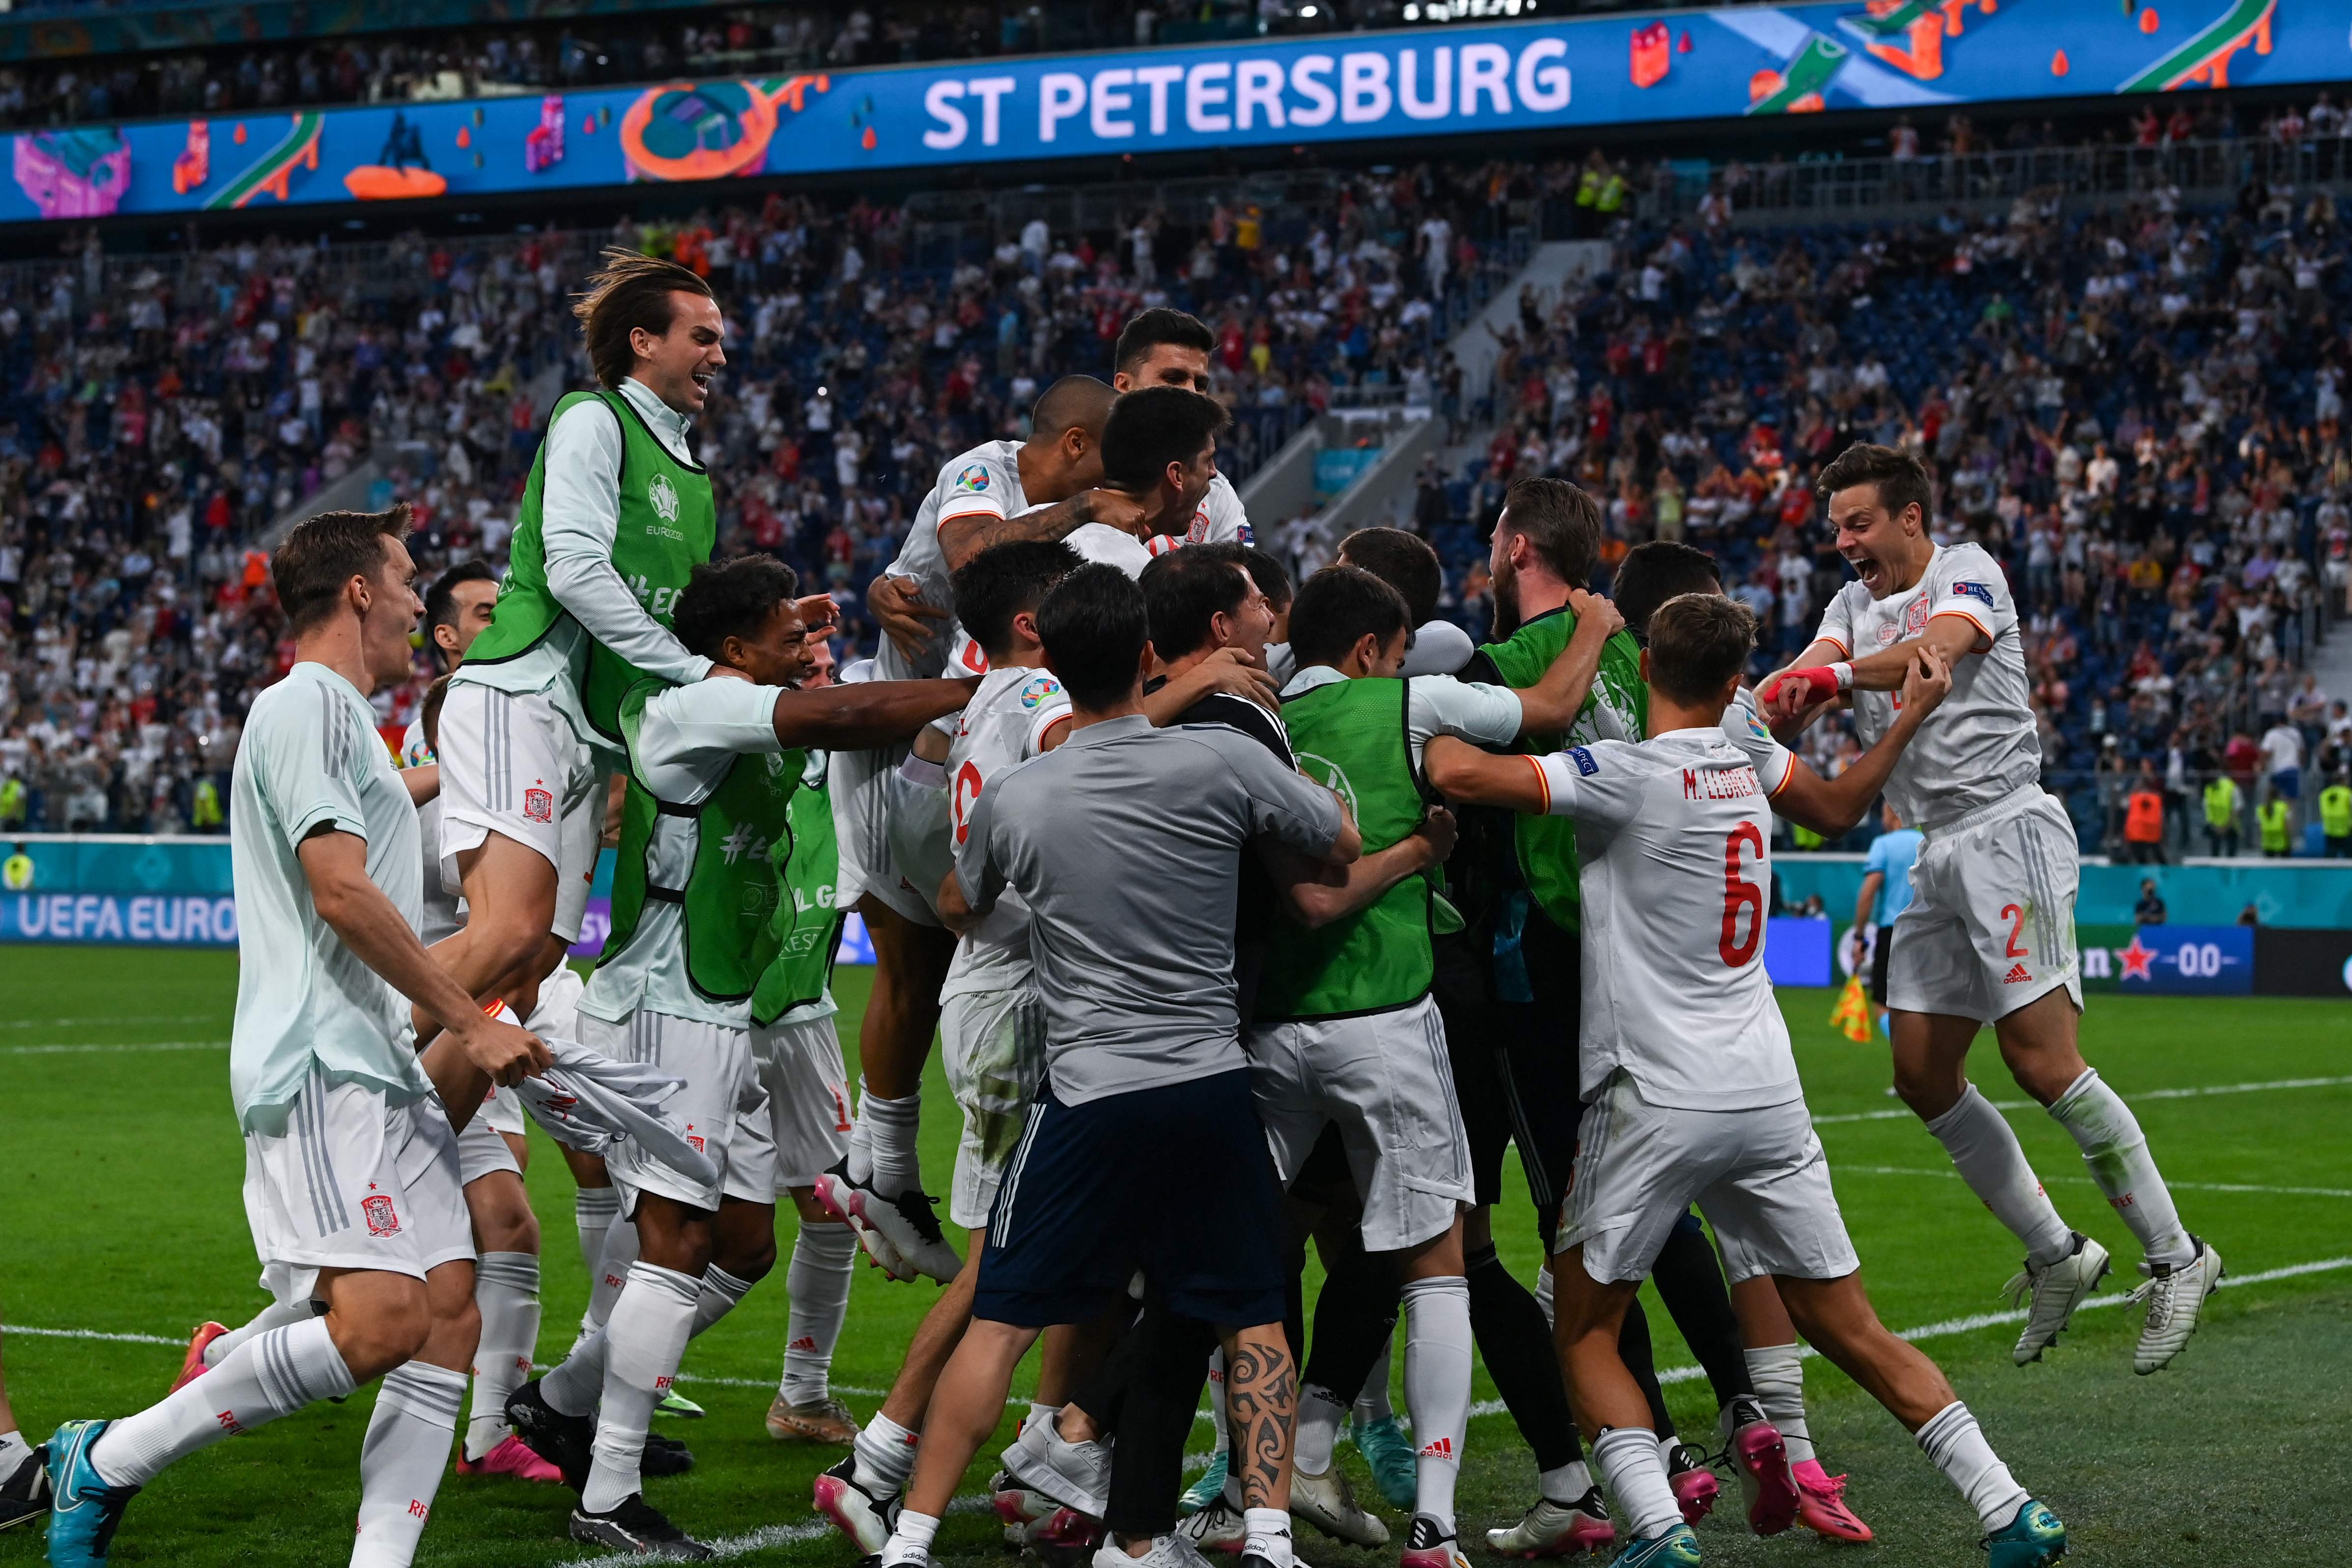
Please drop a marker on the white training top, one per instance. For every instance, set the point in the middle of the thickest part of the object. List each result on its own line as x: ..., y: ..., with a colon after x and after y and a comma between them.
x: 310, y: 759
x: 1675, y: 836
x: 580, y: 518
x: 1003, y: 726
x: 1980, y: 745
x: 984, y: 481
x: 1434, y: 705
x: 688, y: 738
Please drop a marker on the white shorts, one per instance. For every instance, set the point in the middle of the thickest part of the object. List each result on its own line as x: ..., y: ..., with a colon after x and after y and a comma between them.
x: 723, y: 1107
x: 353, y: 1183
x: 865, y: 788
x: 512, y: 765
x: 481, y: 1151
x: 802, y: 1067
x: 1758, y: 1175
x: 1990, y: 926
x: 1384, y: 1079
x: 993, y: 1045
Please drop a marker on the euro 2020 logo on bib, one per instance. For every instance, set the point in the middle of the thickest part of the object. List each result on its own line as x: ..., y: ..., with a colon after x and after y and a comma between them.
x: 1331, y: 777
x: 664, y: 497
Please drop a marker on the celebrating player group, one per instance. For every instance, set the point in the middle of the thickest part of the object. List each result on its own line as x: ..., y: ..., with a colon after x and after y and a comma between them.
x: 1293, y: 888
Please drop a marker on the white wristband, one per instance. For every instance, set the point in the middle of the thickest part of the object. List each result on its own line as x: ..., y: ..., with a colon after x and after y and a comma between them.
x: 923, y: 774
x: 1844, y: 673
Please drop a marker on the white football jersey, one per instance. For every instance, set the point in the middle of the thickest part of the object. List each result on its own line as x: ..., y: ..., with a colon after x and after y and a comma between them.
x: 1674, y: 833
x: 1095, y: 542
x: 986, y: 480
x: 1980, y: 745
x: 1003, y: 726
x: 1744, y: 727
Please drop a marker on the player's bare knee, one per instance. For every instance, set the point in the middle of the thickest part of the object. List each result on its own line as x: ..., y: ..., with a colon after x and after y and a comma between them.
x: 1929, y: 1088
x: 378, y: 1334
x: 811, y: 1212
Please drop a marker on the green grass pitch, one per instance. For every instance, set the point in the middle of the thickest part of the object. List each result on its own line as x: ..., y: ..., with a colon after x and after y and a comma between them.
x: 120, y: 1226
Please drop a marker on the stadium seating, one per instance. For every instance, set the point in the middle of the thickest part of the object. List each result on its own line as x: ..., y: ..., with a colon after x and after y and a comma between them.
x: 2139, y: 410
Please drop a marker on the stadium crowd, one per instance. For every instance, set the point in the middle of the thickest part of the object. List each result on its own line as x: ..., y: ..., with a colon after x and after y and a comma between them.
x: 2140, y: 411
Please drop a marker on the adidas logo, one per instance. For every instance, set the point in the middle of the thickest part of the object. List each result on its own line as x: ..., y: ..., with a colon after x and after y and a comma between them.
x: 2017, y: 975
x: 805, y: 1343
x: 1438, y: 1448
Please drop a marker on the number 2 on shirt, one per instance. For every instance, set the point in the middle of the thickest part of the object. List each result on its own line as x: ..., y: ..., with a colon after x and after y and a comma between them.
x: 1737, y: 893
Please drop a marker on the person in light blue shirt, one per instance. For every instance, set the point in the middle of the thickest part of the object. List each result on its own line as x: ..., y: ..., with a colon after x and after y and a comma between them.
x: 1886, y: 891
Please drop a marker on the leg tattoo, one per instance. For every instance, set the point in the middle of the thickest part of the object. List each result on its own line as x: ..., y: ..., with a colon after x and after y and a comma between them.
x: 1262, y: 1406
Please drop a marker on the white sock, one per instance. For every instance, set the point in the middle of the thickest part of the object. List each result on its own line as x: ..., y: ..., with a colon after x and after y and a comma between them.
x: 1437, y: 1387
x: 721, y: 1293
x: 885, y: 1455
x: 824, y: 1257
x: 612, y: 1272
x: 273, y: 1316
x: 506, y: 1291
x: 593, y: 1210
x: 1373, y: 1399
x: 910, y: 1541
x: 651, y: 1324
x: 860, y: 1167
x: 274, y: 1375
x: 1269, y: 1535
x: 1543, y: 1292
x: 1567, y: 1484
x: 1777, y: 1373
x: 2117, y: 1155
x: 1636, y: 1472
x: 1320, y: 1411
x: 1217, y: 1404
x: 1040, y: 1413
x: 401, y: 1463
x: 13, y: 1451
x: 893, y: 1124
x: 1989, y: 1157
x: 578, y: 1381
x: 1953, y: 1440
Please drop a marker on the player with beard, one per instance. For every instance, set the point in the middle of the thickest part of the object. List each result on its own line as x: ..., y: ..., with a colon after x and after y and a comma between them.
x: 1988, y: 937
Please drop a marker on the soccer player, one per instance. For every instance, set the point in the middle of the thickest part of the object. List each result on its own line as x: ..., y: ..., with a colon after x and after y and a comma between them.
x: 1143, y: 1042
x: 1346, y: 1030
x: 1988, y: 937
x: 1692, y: 1092
x: 352, y: 1184
x: 1650, y: 574
x: 796, y: 1050
x: 992, y: 1023
x: 1508, y: 985
x: 493, y: 1153
x: 712, y: 769
x: 1406, y: 563
x: 613, y: 517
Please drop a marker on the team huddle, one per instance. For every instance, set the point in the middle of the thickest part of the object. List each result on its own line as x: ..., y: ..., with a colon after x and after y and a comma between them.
x: 1294, y: 889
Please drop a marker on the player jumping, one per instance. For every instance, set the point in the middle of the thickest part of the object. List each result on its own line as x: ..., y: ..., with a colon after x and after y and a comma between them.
x: 1988, y: 937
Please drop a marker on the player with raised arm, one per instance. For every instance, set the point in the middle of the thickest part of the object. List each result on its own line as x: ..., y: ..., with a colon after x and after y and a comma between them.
x: 1692, y: 1090
x: 712, y: 769
x: 796, y: 1050
x: 352, y: 1179
x: 895, y: 840
x: 1988, y: 937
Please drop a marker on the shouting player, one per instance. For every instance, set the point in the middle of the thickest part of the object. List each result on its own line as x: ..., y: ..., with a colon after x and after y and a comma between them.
x: 1988, y: 937
x: 1692, y: 1091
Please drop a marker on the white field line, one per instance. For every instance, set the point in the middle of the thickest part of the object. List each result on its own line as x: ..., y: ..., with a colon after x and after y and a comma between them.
x: 780, y: 1537
x: 1843, y: 1169
x: 92, y: 1023
x: 1905, y: 1113
x: 62, y: 1049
